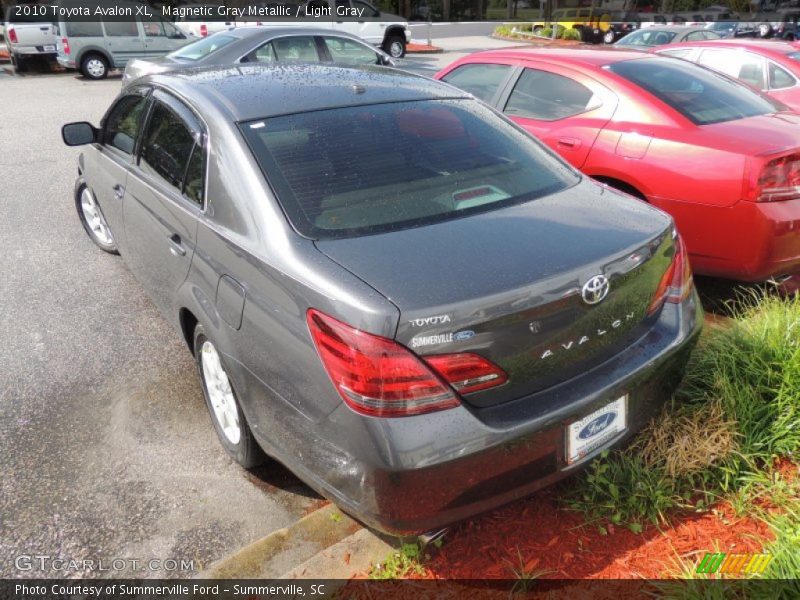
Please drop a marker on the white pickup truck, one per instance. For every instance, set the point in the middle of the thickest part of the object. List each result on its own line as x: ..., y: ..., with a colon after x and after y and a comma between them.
x: 357, y: 17
x: 29, y: 33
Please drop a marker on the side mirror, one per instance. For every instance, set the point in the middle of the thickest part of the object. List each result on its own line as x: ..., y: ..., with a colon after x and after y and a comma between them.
x: 79, y: 134
x: 387, y: 61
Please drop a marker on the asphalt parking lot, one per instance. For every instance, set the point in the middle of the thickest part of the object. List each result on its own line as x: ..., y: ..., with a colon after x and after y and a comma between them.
x: 106, y: 448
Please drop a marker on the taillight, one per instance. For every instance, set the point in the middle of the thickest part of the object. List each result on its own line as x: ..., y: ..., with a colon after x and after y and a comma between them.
x: 378, y: 377
x: 203, y: 30
x: 65, y: 44
x: 779, y: 179
x: 467, y: 372
x: 676, y: 283
x: 12, y: 36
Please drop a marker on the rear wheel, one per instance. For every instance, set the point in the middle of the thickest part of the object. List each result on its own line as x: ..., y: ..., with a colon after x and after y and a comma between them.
x: 790, y: 37
x: 20, y: 63
x: 395, y: 46
x: 608, y: 36
x: 764, y: 30
x: 232, y: 429
x: 94, y: 66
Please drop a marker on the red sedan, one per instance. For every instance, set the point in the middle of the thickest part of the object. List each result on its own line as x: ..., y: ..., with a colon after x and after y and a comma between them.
x: 714, y: 154
x: 773, y: 67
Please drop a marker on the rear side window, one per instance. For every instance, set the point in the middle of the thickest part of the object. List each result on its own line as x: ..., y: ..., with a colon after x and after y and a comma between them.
x: 121, y: 28
x: 480, y: 80
x: 678, y: 53
x: 83, y: 29
x: 296, y: 48
x: 203, y: 47
x: 548, y: 97
x: 167, y: 146
x: 368, y: 169
x: 122, y: 123
x: 700, y: 95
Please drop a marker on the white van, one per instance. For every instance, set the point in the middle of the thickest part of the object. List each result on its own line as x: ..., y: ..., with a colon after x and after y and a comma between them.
x: 96, y: 47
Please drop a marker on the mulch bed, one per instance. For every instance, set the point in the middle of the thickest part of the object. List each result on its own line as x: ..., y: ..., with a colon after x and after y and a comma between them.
x: 536, y: 536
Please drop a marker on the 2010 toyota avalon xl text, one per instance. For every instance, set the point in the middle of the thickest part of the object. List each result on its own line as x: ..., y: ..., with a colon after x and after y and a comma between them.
x: 387, y: 286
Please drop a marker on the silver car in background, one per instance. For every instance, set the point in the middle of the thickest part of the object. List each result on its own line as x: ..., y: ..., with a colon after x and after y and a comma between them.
x: 268, y: 45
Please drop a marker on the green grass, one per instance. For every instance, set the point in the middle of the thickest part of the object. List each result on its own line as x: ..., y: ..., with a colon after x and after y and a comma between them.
x: 750, y: 376
x: 405, y: 561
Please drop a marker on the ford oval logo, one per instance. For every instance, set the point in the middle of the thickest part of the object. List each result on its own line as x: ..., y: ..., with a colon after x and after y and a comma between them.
x: 463, y: 335
x: 598, y: 425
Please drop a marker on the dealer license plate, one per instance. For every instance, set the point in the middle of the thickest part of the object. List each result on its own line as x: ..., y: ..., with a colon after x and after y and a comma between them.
x: 597, y: 429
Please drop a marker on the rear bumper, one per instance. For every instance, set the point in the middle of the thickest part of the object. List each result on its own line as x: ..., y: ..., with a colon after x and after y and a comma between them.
x: 749, y: 241
x: 32, y: 51
x: 65, y: 62
x: 416, y: 474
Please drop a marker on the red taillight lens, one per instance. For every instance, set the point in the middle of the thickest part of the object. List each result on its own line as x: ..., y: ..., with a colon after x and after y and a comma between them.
x: 467, y: 372
x: 378, y: 377
x: 12, y: 36
x: 676, y: 283
x: 203, y: 30
x: 779, y: 180
x: 65, y: 44
x: 374, y: 375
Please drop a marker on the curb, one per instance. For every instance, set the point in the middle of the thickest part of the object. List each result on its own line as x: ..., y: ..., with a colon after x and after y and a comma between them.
x: 284, y: 549
x: 423, y: 49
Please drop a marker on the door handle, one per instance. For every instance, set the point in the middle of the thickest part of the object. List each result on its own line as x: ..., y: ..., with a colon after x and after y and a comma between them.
x: 119, y: 191
x: 570, y: 143
x: 175, y: 245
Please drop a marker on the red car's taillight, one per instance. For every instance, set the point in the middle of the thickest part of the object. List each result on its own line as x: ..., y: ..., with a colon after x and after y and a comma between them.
x: 12, y: 36
x: 676, y: 283
x: 203, y: 30
x: 778, y: 179
x: 65, y: 44
x: 378, y: 377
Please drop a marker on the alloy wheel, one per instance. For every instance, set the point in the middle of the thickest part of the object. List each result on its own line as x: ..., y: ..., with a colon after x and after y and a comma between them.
x: 95, y: 219
x: 220, y: 393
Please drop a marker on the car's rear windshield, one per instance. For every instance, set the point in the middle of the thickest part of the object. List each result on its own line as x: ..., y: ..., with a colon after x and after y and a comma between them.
x: 701, y: 95
x: 368, y: 169
x: 203, y: 47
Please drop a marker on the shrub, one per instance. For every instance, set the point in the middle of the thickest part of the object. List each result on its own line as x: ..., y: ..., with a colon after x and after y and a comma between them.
x: 571, y: 34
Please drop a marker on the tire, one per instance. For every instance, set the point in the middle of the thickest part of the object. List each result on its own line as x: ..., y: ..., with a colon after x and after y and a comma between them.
x: 395, y: 46
x: 764, y: 30
x: 790, y: 37
x: 609, y: 37
x: 20, y: 64
x: 94, y: 66
x: 223, y: 406
x: 93, y: 220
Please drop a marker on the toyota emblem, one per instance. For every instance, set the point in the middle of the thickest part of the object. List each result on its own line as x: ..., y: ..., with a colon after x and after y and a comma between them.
x: 595, y: 290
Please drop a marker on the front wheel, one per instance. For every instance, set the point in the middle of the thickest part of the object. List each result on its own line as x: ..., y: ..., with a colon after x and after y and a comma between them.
x: 93, y: 221
x: 395, y: 46
x: 232, y: 429
x: 764, y: 30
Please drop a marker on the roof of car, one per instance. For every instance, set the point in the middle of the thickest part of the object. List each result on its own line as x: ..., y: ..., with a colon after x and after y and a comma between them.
x: 592, y: 57
x: 258, y: 91
x: 763, y: 46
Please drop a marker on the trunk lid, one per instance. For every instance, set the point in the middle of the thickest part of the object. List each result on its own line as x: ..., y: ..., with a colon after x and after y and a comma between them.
x: 763, y: 134
x: 508, y: 284
x: 34, y: 34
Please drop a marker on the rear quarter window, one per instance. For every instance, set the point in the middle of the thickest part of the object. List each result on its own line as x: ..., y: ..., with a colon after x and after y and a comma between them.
x: 699, y: 94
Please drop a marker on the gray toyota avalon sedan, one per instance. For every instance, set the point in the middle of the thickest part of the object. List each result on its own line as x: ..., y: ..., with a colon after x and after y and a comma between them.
x: 387, y: 286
